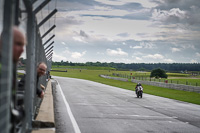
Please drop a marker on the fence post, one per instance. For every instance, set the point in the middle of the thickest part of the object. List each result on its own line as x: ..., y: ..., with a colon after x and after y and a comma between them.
x: 7, y: 66
x: 30, y: 69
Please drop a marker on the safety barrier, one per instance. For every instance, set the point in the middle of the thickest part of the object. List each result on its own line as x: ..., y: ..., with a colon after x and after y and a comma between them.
x: 159, y: 84
x: 169, y: 85
x: 23, y: 14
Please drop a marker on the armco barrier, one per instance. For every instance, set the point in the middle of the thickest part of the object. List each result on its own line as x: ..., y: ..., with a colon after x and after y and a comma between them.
x: 159, y: 84
x: 169, y: 85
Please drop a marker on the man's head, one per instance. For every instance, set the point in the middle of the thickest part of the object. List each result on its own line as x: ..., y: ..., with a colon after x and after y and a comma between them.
x: 41, y: 69
x: 18, y: 44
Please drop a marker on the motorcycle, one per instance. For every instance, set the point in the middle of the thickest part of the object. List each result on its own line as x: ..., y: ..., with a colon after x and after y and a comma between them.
x: 139, y: 91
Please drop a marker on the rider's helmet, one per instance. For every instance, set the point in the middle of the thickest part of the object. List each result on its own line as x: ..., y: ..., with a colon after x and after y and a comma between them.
x: 139, y: 84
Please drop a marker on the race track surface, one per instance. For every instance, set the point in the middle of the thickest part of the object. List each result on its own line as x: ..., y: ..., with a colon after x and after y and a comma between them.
x: 90, y: 107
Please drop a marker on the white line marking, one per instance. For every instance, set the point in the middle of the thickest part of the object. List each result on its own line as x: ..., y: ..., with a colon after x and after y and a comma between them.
x: 74, y: 123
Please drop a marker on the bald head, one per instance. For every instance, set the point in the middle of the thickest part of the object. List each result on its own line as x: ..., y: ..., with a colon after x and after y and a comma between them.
x: 18, y: 43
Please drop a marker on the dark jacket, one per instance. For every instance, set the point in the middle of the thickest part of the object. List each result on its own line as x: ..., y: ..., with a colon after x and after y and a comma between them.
x: 21, y: 85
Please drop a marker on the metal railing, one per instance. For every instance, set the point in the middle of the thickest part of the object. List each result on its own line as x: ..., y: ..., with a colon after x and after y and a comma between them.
x: 16, y: 12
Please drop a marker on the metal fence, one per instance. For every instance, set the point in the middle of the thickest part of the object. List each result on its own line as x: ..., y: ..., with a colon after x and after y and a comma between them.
x: 159, y: 84
x: 163, y: 80
x: 23, y: 13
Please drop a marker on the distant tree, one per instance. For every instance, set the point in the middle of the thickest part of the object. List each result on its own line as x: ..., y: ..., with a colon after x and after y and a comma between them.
x: 158, y: 73
x: 142, y: 69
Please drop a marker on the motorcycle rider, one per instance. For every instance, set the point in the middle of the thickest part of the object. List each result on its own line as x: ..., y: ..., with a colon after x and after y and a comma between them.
x: 136, y: 88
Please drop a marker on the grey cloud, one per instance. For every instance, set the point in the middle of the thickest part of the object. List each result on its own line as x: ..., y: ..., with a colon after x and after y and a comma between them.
x: 104, y: 16
x: 74, y: 5
x: 69, y: 5
x: 191, y: 9
x: 129, y: 6
x: 83, y: 34
x: 67, y: 21
x: 123, y: 34
x: 133, y: 16
x: 72, y: 20
x: 85, y: 2
x: 182, y: 4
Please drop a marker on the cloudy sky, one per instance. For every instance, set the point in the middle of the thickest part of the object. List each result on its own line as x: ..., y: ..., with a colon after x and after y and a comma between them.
x: 128, y: 31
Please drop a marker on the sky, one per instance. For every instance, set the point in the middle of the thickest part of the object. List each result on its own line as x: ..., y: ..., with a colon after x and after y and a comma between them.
x: 125, y: 31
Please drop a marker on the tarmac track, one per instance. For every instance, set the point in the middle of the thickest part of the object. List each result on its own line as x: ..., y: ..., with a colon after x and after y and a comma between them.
x: 83, y: 106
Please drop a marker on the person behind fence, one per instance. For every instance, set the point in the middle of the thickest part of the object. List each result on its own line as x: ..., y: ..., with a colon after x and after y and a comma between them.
x: 136, y: 88
x: 17, y: 112
x: 41, y: 69
x: 48, y: 76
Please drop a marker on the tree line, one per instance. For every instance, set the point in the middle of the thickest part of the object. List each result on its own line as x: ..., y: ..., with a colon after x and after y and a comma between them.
x: 136, y: 66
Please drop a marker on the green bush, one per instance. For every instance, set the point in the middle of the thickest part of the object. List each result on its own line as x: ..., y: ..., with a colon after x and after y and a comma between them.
x: 158, y: 73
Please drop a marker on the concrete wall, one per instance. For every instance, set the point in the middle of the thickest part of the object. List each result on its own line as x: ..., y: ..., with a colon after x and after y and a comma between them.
x: 160, y: 84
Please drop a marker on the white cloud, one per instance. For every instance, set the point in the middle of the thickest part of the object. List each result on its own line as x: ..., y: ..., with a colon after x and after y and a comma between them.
x: 175, y: 50
x: 137, y: 53
x: 124, y: 43
x: 99, y: 53
x: 57, y: 57
x: 197, y: 54
x: 173, y: 15
x: 77, y: 55
x: 117, y: 52
x: 169, y: 61
x: 79, y: 39
x: 136, y: 47
x: 155, y: 56
x: 194, y: 61
x: 147, y: 45
x: 138, y: 59
x: 188, y: 46
x: 63, y: 43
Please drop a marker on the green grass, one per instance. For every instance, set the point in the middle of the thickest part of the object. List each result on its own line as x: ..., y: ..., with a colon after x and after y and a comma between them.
x: 193, y: 82
x: 81, y: 67
x: 93, y: 75
x: 177, y: 75
x: 185, y: 96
